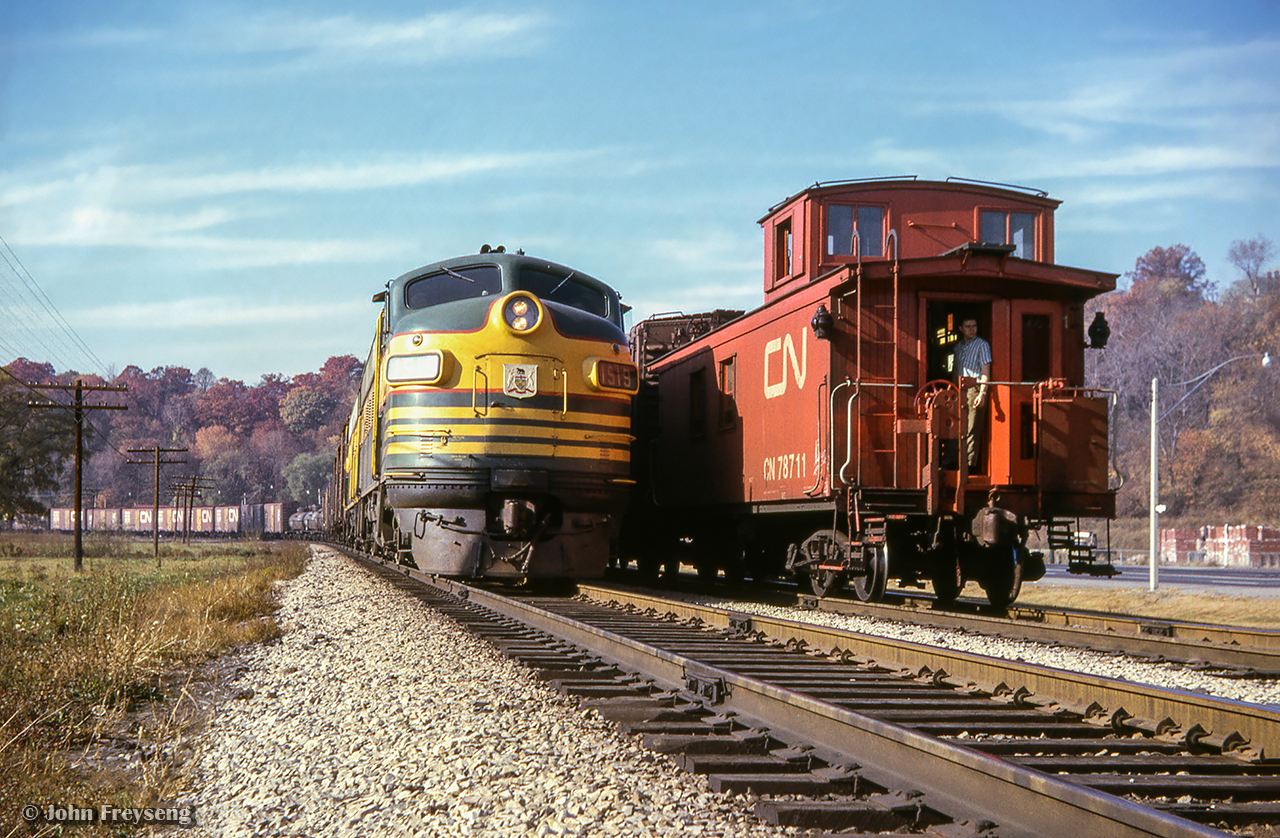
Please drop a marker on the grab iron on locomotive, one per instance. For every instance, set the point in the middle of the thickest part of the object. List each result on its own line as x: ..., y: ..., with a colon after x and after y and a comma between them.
x: 492, y: 433
x: 829, y: 430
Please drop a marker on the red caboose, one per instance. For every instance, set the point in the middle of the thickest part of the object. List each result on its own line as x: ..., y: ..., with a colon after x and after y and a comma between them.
x: 830, y: 425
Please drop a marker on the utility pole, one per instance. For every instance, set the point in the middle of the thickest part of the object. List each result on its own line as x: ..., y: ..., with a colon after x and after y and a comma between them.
x: 155, y: 508
x: 79, y: 407
x: 186, y: 492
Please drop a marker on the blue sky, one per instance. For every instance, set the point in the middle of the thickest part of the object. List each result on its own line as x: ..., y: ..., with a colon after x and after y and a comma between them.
x: 227, y: 185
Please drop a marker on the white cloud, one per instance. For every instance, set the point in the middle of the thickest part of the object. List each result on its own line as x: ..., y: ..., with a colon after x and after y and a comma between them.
x: 214, y: 313
x: 193, y: 179
x: 289, y: 41
x: 348, y: 39
x: 162, y: 205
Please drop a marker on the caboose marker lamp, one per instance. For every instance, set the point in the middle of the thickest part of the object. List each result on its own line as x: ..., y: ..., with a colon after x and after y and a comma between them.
x: 1155, y: 507
x: 822, y: 323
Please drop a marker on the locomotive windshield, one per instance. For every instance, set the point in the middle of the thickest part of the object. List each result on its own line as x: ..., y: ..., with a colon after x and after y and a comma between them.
x: 451, y: 284
x: 565, y: 290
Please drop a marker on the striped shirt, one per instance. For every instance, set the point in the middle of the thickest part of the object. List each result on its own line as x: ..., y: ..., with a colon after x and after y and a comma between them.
x: 971, y: 356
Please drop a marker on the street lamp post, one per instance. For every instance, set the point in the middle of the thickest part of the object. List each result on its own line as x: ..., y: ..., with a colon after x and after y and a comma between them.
x: 1153, y: 522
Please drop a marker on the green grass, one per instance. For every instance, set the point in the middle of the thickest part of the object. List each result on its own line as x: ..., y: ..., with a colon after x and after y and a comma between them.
x: 78, y: 652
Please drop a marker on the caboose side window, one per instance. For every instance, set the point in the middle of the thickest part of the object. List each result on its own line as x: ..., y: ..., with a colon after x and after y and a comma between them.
x: 782, y: 250
x: 453, y: 284
x: 728, y: 386
x: 1015, y: 228
x: 844, y: 219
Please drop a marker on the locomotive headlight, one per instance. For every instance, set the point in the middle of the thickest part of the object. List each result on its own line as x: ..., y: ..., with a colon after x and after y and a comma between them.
x: 521, y: 313
x: 612, y: 375
x: 424, y: 368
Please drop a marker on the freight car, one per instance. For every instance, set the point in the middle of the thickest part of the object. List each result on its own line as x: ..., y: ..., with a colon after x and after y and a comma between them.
x: 492, y: 430
x: 827, y: 431
x: 271, y: 520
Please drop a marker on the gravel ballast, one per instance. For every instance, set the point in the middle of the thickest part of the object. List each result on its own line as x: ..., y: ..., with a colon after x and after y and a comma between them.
x: 376, y: 716
x: 1108, y: 664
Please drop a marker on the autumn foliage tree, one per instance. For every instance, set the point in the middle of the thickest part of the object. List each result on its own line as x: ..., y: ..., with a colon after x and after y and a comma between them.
x: 33, y: 446
x: 273, y: 440
x: 1220, y: 441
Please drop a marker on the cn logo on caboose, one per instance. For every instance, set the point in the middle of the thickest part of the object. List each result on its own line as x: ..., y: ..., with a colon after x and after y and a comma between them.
x: 786, y: 347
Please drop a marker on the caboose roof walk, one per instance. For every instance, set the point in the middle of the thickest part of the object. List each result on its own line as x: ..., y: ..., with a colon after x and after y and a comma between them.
x: 898, y: 182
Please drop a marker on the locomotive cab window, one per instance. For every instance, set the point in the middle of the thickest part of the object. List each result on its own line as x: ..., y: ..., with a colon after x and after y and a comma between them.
x: 558, y: 288
x: 454, y: 284
x: 1015, y: 228
x: 843, y: 220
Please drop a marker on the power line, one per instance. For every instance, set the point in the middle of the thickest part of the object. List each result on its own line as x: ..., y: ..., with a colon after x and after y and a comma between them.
x: 79, y: 408
x: 33, y: 316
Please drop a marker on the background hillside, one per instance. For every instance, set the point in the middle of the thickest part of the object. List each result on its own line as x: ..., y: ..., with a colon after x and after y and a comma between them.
x: 273, y: 440
x: 1220, y: 435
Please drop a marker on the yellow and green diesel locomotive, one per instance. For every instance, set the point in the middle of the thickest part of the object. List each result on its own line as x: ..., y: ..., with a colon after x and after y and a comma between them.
x: 492, y: 433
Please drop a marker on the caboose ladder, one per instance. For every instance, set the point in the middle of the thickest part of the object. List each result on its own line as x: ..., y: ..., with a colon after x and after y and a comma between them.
x: 878, y: 375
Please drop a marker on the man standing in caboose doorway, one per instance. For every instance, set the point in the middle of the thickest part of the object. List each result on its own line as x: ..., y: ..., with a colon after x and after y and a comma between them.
x: 973, y: 371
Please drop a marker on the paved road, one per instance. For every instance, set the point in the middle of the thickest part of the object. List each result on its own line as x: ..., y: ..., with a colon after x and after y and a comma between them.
x: 1235, y: 581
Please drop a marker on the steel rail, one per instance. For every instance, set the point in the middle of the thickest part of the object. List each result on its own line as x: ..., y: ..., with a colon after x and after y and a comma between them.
x: 1152, y: 709
x: 954, y: 779
x: 1225, y: 646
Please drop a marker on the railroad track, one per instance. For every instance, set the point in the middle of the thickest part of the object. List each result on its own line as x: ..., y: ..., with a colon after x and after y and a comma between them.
x: 1229, y: 650
x: 834, y: 734
x: 1233, y: 652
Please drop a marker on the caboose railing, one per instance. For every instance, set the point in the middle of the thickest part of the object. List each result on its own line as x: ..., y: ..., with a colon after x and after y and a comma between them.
x: 850, y: 415
x: 831, y: 427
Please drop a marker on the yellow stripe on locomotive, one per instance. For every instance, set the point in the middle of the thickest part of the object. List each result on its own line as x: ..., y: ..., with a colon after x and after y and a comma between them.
x: 516, y: 388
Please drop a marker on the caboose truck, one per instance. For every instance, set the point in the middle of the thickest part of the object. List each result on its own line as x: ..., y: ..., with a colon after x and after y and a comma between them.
x: 826, y: 427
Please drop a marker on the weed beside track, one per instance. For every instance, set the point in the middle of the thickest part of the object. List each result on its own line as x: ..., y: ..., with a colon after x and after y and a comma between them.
x: 96, y: 668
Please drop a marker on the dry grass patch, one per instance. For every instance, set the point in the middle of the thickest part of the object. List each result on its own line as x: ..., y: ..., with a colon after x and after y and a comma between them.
x: 98, y: 659
x: 1166, y: 604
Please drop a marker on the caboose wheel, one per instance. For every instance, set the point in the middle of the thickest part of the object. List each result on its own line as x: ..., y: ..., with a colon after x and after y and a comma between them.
x: 870, y: 588
x: 947, y: 579
x: 825, y: 582
x: 1003, y: 580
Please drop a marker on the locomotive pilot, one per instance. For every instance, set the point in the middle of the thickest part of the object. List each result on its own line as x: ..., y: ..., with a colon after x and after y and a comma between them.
x: 973, y: 371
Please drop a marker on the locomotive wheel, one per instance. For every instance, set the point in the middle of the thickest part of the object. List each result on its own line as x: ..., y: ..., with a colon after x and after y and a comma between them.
x: 947, y: 579
x: 1003, y: 581
x: 870, y: 588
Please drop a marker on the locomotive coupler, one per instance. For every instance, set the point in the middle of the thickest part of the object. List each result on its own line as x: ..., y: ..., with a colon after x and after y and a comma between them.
x: 519, y: 517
